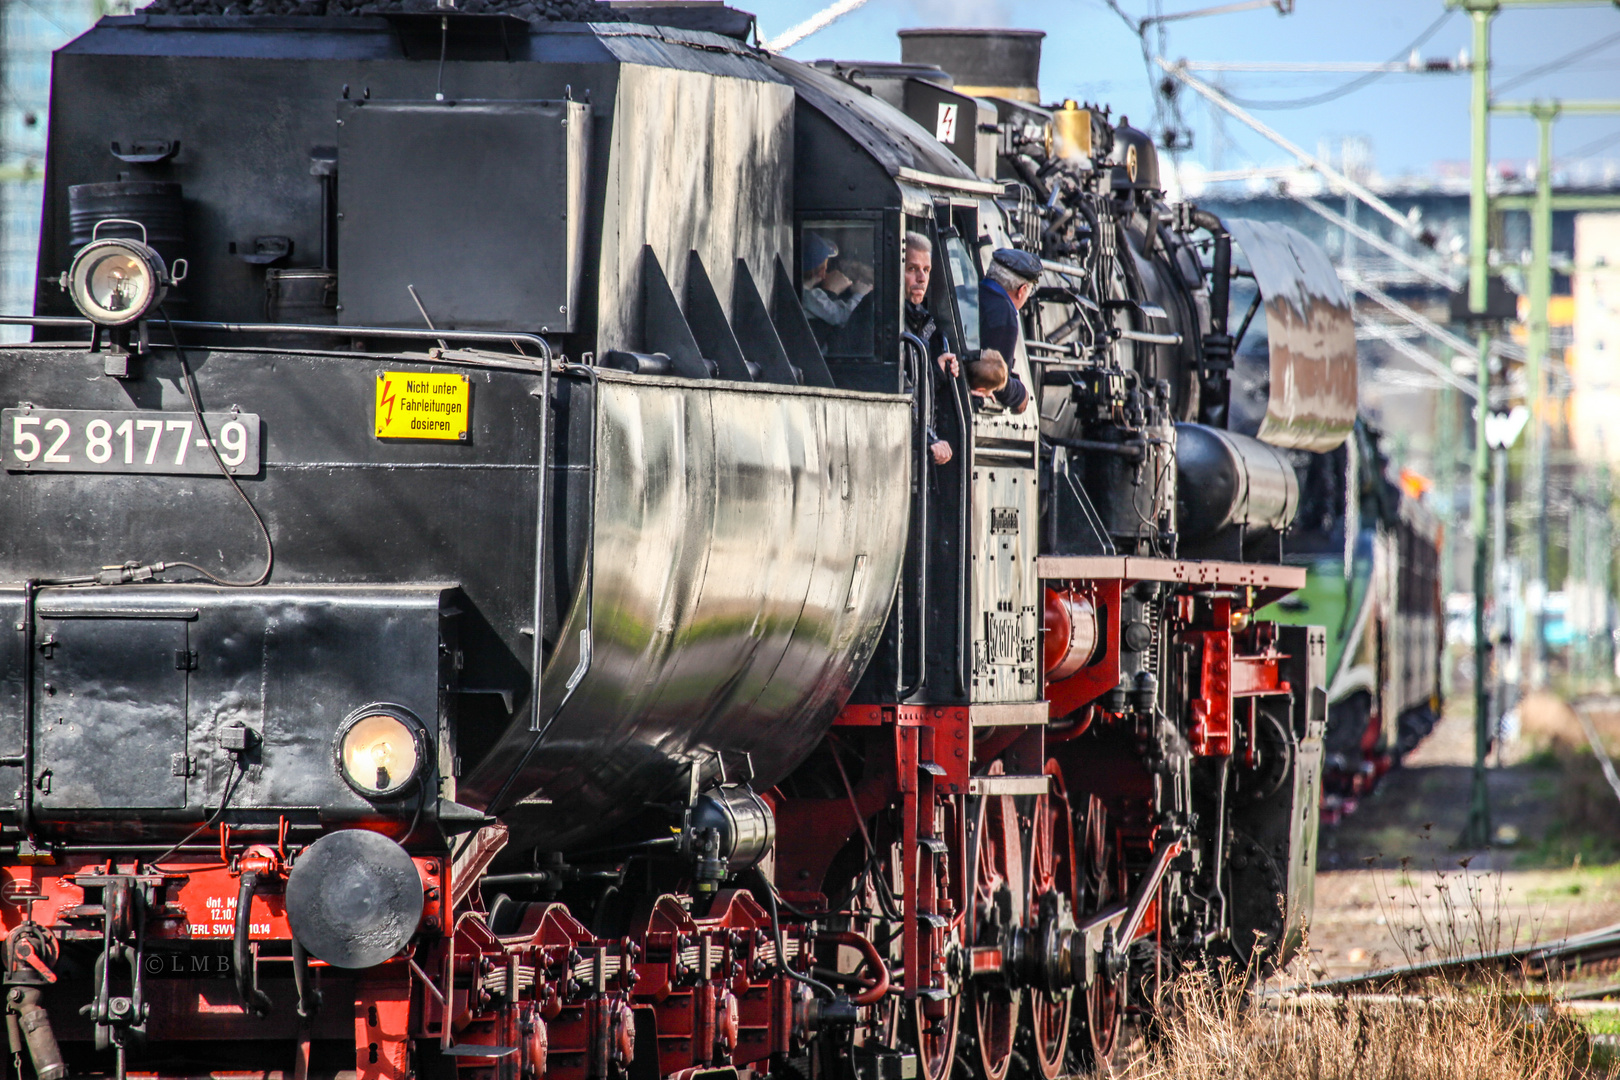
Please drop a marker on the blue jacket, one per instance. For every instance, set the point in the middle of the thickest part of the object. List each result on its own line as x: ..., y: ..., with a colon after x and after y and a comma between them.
x: 998, y: 330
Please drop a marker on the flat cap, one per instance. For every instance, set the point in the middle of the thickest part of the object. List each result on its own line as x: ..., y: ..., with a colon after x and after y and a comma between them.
x: 1022, y: 263
x: 817, y: 250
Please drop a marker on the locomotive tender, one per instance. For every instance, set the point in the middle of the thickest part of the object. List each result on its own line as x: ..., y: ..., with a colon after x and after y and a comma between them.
x: 471, y: 614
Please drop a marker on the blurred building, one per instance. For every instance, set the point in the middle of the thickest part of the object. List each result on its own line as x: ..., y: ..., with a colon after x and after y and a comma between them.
x: 1594, y: 361
x: 29, y: 31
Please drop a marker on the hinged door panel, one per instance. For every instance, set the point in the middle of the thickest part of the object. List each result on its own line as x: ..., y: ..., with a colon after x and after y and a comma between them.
x: 110, y: 712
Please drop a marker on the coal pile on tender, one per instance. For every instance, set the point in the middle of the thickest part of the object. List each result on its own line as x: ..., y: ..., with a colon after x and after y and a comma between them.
x: 532, y: 10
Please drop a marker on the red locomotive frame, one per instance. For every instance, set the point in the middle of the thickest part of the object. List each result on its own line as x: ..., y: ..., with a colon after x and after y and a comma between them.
x: 979, y: 803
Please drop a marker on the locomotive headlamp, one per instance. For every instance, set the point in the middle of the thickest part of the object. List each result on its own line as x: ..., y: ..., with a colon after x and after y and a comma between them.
x: 117, y: 280
x: 380, y: 751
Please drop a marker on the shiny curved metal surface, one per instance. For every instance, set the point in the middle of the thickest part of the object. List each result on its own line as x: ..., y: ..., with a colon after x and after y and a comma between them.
x: 747, y: 546
x: 1225, y: 479
x: 1312, y: 337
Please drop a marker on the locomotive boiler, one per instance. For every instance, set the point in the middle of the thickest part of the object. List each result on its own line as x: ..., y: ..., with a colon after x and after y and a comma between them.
x: 485, y: 600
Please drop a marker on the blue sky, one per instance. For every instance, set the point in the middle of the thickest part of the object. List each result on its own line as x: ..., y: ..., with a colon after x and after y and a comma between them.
x: 1413, y: 122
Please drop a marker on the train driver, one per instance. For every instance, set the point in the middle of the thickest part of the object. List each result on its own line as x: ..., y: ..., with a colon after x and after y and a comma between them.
x: 829, y: 294
x: 919, y: 267
x: 1005, y: 290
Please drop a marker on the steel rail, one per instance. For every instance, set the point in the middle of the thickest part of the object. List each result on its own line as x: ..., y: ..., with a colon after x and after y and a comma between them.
x: 1594, y: 944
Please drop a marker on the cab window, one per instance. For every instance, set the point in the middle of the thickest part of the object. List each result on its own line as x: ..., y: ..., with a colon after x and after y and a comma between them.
x: 965, y: 280
x: 836, y: 278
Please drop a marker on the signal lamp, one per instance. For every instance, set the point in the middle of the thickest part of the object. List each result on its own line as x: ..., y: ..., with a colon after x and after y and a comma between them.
x: 380, y: 751
x: 117, y: 280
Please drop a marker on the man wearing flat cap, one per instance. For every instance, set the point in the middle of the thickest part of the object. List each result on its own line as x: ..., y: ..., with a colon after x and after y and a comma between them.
x: 1005, y: 289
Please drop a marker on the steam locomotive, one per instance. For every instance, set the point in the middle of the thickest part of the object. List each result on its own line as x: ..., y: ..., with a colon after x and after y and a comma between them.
x: 472, y: 616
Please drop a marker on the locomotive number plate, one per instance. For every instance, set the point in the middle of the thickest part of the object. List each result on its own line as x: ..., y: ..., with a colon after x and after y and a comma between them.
x: 124, y: 441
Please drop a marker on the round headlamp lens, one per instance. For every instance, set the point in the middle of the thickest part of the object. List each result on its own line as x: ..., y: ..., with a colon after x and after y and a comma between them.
x: 114, y: 282
x: 117, y: 282
x: 379, y: 754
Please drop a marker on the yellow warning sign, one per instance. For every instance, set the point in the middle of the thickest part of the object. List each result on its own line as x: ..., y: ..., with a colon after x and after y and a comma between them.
x: 417, y: 405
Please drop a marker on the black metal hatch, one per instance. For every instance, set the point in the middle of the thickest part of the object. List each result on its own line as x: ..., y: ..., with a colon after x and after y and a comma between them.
x: 110, y: 707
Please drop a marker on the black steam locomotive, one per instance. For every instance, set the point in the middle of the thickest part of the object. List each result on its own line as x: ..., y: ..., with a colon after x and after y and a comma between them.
x: 486, y: 599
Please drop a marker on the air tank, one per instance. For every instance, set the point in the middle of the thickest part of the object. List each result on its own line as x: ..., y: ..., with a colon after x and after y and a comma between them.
x: 146, y: 210
x: 1230, y: 486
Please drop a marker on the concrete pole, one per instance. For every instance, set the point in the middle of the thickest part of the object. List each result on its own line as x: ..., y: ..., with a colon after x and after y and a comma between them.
x: 1536, y: 381
x: 1499, y: 560
x: 1477, y: 833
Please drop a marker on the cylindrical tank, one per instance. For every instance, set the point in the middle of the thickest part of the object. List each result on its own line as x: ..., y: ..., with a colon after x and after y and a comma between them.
x: 743, y: 820
x: 157, y: 205
x: 984, y: 63
x: 1226, y: 480
x: 1072, y: 634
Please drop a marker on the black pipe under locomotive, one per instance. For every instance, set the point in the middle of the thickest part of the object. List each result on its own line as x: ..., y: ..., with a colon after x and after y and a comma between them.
x: 472, y: 614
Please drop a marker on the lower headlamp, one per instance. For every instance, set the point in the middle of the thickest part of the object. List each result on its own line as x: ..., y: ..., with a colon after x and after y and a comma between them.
x: 381, y: 751
x: 115, y: 281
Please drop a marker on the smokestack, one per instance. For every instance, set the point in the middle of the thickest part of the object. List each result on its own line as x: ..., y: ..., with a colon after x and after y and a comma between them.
x: 984, y: 63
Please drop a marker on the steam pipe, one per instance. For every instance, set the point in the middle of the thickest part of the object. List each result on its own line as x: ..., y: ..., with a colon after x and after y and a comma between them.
x: 25, y: 807
x: 24, y: 1010
x: 1025, y: 167
x: 309, y: 998
x: 256, y: 1001
x: 876, y: 992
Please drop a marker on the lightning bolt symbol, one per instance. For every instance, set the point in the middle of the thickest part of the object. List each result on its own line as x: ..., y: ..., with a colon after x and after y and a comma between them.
x: 388, y: 400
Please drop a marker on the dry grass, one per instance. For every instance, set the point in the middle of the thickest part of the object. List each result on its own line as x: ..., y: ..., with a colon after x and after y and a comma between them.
x: 1474, y: 1023
x: 1587, y: 812
x: 1492, y: 1031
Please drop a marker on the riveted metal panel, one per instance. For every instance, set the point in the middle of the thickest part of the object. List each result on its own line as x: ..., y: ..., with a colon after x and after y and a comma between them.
x: 1006, y: 611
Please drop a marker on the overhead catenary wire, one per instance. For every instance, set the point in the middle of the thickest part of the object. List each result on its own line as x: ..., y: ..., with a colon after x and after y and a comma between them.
x: 1372, y: 239
x: 1354, y: 84
x: 1587, y: 148
x: 1428, y: 363
x: 1554, y: 65
x: 1309, y: 160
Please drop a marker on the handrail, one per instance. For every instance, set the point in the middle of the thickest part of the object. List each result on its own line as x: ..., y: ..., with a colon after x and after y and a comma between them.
x: 964, y: 537
x: 922, y: 387
x: 392, y: 333
x: 586, y: 635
